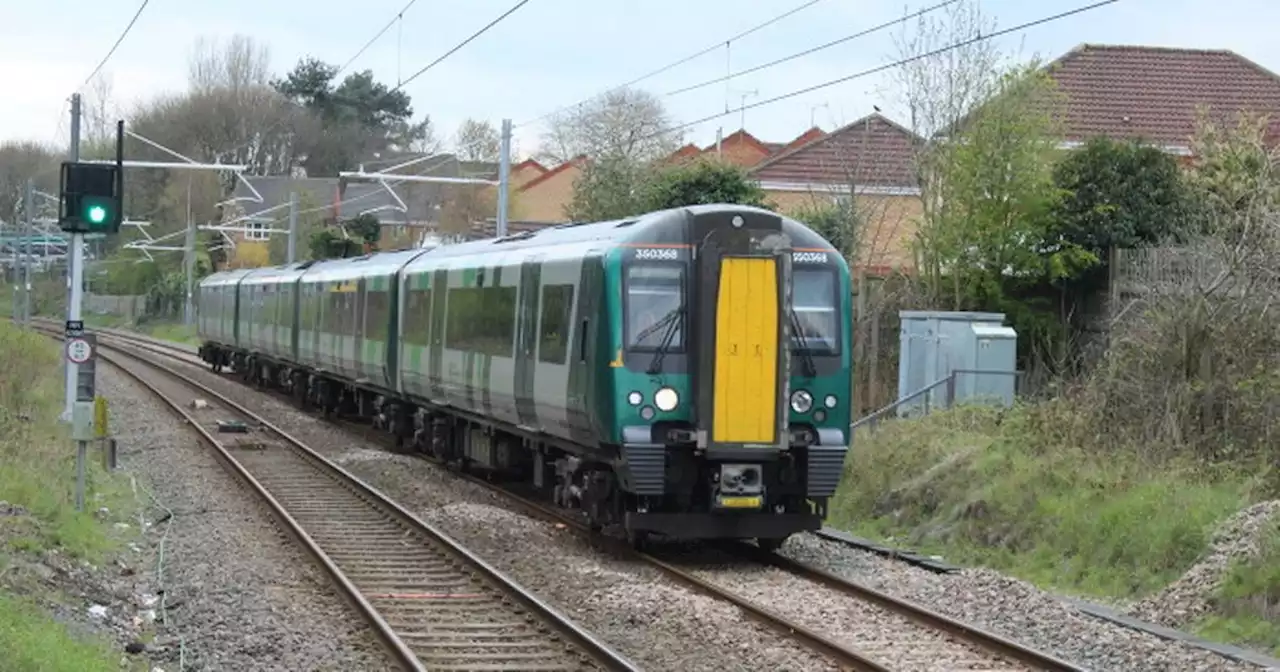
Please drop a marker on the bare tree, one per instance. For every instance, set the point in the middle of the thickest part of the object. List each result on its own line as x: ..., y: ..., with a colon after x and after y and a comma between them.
x: 939, y: 89
x: 477, y: 141
x: 239, y: 65
x: 626, y: 123
x: 20, y: 161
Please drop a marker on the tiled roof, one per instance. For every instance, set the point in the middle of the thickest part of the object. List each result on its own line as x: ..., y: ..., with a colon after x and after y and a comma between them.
x: 874, y: 151
x: 1152, y: 93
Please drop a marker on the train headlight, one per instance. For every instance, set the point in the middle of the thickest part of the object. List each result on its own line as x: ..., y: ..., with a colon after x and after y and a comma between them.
x: 830, y: 401
x: 801, y: 401
x: 666, y: 399
x: 635, y: 398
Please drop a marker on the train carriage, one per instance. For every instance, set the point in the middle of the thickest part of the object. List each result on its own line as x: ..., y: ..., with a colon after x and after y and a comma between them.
x: 267, y: 316
x: 217, y: 298
x: 685, y: 372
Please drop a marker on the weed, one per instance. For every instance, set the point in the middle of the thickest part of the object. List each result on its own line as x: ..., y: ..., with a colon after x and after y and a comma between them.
x: 991, y: 487
x: 32, y: 641
x: 1247, y: 604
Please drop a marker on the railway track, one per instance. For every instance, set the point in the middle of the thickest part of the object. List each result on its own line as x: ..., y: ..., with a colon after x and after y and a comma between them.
x: 434, y: 605
x: 1001, y: 653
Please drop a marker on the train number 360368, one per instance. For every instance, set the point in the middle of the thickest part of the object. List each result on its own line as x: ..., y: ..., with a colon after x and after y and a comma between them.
x: 667, y: 253
x: 808, y: 257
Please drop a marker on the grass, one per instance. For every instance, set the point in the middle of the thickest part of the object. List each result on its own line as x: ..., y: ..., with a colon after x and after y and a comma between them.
x: 1001, y: 489
x: 38, y: 474
x: 1247, y: 604
x: 165, y: 330
x: 32, y: 642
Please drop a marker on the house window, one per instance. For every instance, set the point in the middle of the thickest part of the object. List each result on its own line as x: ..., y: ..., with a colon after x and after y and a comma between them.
x: 257, y: 231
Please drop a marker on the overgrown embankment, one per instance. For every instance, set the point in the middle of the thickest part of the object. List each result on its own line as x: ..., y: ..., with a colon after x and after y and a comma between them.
x: 1154, y: 480
x: 48, y: 550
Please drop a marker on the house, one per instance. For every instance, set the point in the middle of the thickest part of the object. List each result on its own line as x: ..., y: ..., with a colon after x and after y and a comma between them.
x: 546, y: 197
x: 871, y: 159
x: 1150, y: 94
x: 1153, y: 93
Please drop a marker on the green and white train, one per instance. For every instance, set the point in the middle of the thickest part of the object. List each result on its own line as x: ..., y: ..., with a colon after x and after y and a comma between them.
x: 685, y: 372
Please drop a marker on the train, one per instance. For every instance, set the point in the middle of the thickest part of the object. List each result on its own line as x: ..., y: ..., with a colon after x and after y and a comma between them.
x: 683, y: 374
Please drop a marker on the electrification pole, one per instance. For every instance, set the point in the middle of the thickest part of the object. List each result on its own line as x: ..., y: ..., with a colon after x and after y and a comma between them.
x: 504, y: 177
x: 291, y: 253
x: 75, y: 265
x: 190, y: 260
x: 28, y: 230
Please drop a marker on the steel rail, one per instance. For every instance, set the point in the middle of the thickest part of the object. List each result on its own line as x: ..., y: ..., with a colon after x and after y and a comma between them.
x: 987, y: 640
x: 596, y: 649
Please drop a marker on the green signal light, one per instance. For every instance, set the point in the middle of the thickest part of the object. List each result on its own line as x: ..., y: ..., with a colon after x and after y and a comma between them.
x: 97, y: 214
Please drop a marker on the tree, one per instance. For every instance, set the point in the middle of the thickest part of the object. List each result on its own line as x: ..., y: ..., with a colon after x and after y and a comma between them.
x: 624, y: 123
x: 357, y: 117
x: 610, y: 187
x: 701, y: 182
x: 837, y: 222
x: 989, y: 241
x: 18, y: 162
x: 477, y: 141
x: 1119, y: 194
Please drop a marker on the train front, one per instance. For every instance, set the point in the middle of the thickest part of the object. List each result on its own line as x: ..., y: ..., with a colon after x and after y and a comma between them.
x: 735, y: 371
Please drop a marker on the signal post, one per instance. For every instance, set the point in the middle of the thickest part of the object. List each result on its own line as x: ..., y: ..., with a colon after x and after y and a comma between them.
x: 91, y: 200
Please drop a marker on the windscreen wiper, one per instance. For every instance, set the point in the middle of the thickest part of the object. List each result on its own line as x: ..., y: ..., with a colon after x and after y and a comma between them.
x: 653, y: 328
x: 668, y: 337
x: 806, y: 358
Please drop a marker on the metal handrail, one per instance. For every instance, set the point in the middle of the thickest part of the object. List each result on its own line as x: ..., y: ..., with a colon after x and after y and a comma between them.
x: 873, y: 418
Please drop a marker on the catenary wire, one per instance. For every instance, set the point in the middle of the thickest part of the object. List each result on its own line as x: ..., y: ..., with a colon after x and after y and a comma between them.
x: 676, y: 63
x: 811, y: 50
x: 116, y: 45
x: 399, y: 15
x: 881, y: 68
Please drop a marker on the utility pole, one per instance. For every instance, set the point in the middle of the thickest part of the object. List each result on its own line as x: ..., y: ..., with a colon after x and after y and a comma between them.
x: 28, y: 230
x: 189, y: 259
x: 75, y: 266
x: 291, y: 252
x: 504, y: 177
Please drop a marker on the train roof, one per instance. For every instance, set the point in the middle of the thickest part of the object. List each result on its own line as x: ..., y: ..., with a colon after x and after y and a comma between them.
x: 649, y: 227
x: 378, y: 263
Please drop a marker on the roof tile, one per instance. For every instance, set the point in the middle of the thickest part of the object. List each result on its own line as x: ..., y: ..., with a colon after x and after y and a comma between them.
x: 1152, y: 93
x: 873, y: 150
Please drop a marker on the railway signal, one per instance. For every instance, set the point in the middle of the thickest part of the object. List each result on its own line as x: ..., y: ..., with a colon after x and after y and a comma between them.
x: 93, y: 193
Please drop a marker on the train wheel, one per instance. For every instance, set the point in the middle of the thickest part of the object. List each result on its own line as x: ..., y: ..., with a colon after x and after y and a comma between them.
x: 638, y: 539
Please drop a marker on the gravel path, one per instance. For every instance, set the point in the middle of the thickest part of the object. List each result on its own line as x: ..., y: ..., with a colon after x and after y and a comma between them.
x: 1012, y: 608
x: 655, y: 622
x: 238, y: 594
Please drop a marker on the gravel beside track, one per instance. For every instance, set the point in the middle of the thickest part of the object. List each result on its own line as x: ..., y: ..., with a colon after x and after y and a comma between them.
x: 238, y: 594
x: 889, y: 638
x: 664, y: 626
x: 1015, y: 609
x: 655, y: 622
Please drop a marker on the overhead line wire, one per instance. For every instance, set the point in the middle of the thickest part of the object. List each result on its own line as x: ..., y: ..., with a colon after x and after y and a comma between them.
x: 399, y: 16
x: 679, y: 62
x: 806, y: 52
x: 880, y: 68
x: 116, y: 45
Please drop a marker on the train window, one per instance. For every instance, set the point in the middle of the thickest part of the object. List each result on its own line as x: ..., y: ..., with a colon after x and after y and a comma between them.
x: 655, y: 294
x: 417, y: 317
x: 553, y: 331
x: 377, y: 313
x: 482, y: 319
x: 817, y: 311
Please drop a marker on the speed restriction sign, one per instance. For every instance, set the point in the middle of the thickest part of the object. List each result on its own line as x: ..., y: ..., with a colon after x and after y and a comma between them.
x: 79, y: 351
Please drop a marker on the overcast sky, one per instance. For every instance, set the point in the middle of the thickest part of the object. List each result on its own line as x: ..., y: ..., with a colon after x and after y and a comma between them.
x: 552, y: 53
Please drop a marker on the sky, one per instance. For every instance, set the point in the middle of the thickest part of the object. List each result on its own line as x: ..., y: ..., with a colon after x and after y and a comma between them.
x: 555, y: 53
